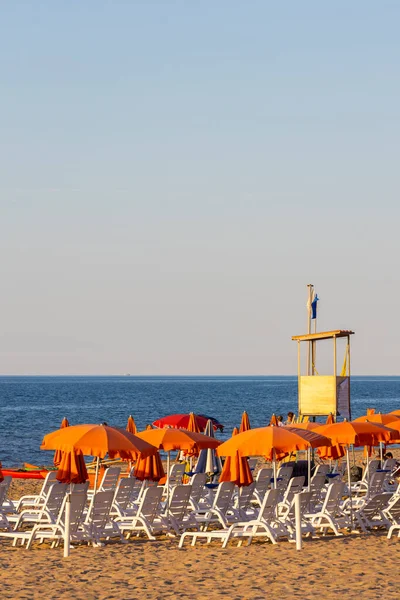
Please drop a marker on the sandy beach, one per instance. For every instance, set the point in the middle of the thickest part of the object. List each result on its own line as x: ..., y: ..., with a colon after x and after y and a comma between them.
x: 352, y: 565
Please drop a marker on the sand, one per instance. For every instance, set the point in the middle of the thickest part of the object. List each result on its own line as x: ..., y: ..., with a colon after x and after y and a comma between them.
x: 353, y: 566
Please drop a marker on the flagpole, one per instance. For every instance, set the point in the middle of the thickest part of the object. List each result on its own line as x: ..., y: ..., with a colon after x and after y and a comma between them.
x: 310, y: 293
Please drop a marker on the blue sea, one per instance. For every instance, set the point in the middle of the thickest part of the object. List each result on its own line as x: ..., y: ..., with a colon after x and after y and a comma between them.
x: 30, y: 407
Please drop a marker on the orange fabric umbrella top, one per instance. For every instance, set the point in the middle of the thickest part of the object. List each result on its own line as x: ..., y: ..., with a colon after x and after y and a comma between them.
x: 395, y: 424
x: 355, y: 433
x: 331, y: 452
x: 235, y: 431
x: 383, y: 419
x: 245, y: 423
x: 98, y: 440
x: 267, y: 441
x: 58, y: 455
x: 309, y: 425
x: 330, y: 419
x: 394, y: 412
x: 131, y: 425
x: 193, y: 424
x: 177, y: 439
x: 150, y: 468
x: 72, y: 468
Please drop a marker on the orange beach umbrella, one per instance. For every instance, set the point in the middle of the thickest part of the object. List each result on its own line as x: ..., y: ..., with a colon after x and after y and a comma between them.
x: 150, y: 468
x: 380, y: 418
x: 98, y: 440
x: 131, y: 425
x: 58, y: 454
x: 235, y: 431
x: 72, y: 468
x: 236, y: 468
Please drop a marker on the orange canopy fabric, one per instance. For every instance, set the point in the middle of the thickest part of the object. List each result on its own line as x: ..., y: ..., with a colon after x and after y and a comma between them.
x: 370, y: 411
x: 58, y: 455
x: 150, y: 468
x: 309, y: 425
x: 268, y: 441
x: 72, y: 468
x: 383, y: 419
x: 193, y: 424
x: 245, y: 423
x: 274, y: 421
x: 331, y: 452
x: 356, y: 433
x: 395, y: 424
x: 235, y: 431
x: 237, y: 470
x: 131, y: 425
x: 177, y: 439
x: 330, y: 419
x: 98, y: 440
x: 395, y: 412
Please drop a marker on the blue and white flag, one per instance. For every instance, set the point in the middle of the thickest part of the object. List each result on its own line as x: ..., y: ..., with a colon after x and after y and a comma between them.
x: 314, y: 306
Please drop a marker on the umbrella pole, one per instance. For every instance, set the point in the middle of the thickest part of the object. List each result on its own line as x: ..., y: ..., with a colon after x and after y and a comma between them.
x: 168, y: 462
x: 97, y: 474
x: 349, y: 484
x: 67, y: 526
x: 381, y: 453
x: 354, y: 457
x: 309, y: 468
x: 274, y: 460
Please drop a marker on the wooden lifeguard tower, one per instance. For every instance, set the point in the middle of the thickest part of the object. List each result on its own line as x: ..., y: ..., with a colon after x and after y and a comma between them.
x: 321, y: 395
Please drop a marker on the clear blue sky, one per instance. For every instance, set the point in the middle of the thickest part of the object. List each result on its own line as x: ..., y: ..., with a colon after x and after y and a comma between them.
x: 174, y: 173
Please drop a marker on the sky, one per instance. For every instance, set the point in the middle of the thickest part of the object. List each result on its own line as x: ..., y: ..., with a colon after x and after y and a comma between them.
x: 173, y: 174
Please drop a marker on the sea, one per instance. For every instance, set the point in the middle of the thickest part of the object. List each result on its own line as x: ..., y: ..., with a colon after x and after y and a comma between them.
x: 30, y: 407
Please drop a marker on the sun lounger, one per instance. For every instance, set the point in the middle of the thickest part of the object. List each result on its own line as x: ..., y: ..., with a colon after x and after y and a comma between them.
x: 331, y: 515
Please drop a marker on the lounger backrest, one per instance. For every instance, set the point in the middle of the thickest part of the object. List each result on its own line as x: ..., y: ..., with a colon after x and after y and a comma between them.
x: 123, y: 494
x: 245, y: 495
x: 373, y: 466
x: 283, y: 477
x: 110, y: 478
x: 394, y: 508
x: 376, y: 483
x: 252, y: 463
x: 295, y: 486
x: 376, y: 504
x: 137, y: 489
x: 54, y: 499
x: 223, y: 496
x: 333, y: 497
x: 261, y: 489
x: 178, y: 501
x: 264, y: 474
x: 80, y: 488
x: 198, y: 482
x: 99, y: 509
x: 149, y: 506
x: 305, y: 499
x: 176, y: 473
x: 321, y: 470
x: 78, y: 501
x: 317, y: 484
x: 50, y: 478
x: 268, y: 508
x: 389, y: 463
x: 4, y: 487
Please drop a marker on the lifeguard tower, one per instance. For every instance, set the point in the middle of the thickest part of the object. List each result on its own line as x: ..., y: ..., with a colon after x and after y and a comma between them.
x: 321, y: 395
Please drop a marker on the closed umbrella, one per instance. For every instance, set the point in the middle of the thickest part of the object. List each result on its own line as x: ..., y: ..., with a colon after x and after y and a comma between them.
x: 236, y: 468
x: 131, y: 425
x: 72, y: 468
x: 208, y: 461
x: 58, y: 456
x: 150, y: 468
x: 245, y: 423
x: 235, y: 431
